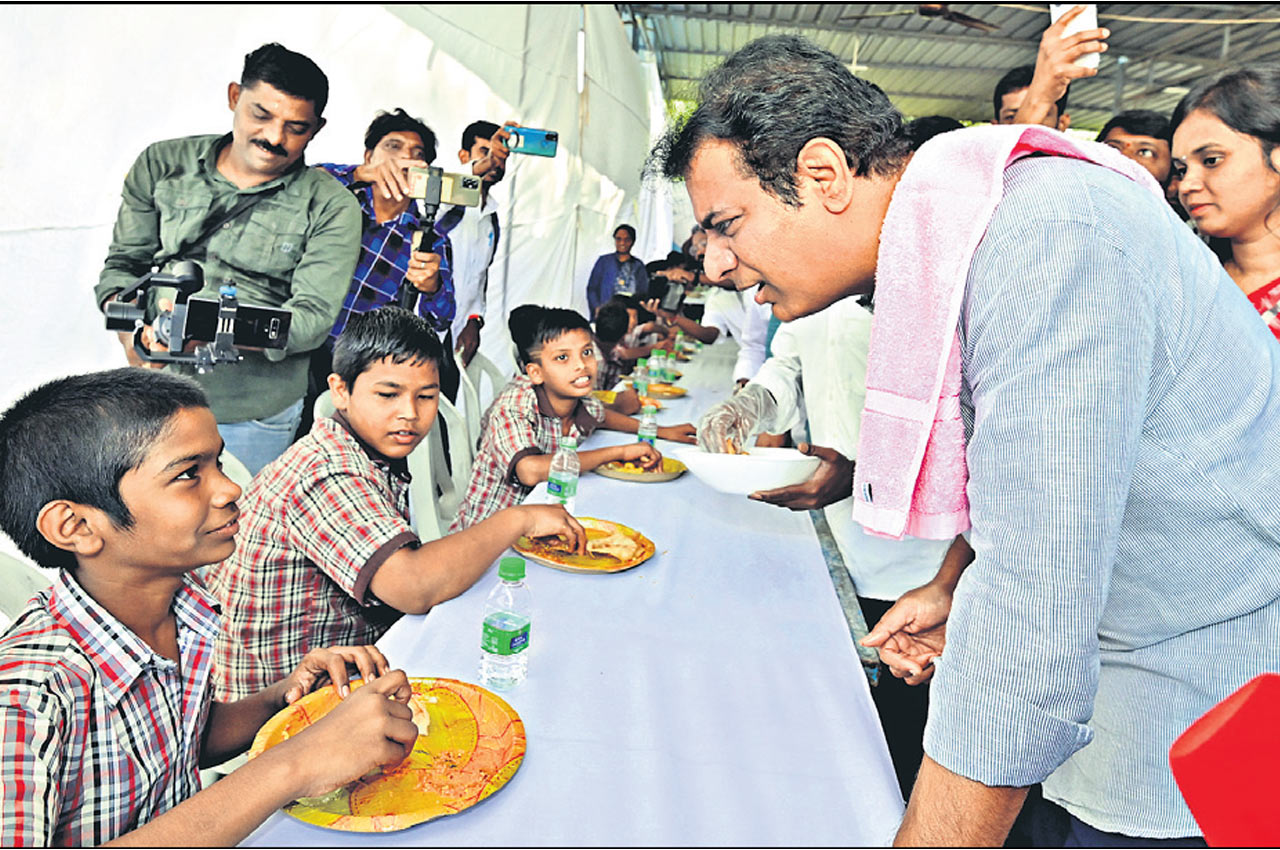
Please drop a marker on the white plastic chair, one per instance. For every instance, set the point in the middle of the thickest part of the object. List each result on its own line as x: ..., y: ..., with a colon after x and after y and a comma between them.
x: 482, y: 367
x: 469, y: 396
x: 323, y: 406
x: 234, y: 469
x: 19, y: 581
x: 452, y: 485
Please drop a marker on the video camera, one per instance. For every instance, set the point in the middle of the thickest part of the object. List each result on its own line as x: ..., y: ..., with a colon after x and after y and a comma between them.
x: 220, y: 323
x: 433, y: 187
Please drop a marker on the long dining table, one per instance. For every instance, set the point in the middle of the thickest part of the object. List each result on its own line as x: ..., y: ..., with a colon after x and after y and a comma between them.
x: 709, y: 696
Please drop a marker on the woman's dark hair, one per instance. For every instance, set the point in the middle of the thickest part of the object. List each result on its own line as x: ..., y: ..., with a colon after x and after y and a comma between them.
x: 400, y: 122
x: 1247, y: 100
x: 74, y: 439
x: 770, y: 99
x: 532, y: 327
x: 1138, y: 122
x: 378, y: 334
x: 291, y: 73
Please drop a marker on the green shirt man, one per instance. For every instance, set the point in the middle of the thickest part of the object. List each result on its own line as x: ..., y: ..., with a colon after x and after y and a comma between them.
x: 295, y: 248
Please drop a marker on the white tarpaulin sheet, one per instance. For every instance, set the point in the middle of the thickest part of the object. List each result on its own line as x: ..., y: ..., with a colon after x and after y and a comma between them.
x: 91, y: 86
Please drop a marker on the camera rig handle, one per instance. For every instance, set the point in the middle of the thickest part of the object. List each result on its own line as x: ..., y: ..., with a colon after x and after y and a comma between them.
x: 188, y: 279
x: 407, y: 296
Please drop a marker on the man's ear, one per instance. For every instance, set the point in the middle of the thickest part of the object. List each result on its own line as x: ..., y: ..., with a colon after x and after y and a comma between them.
x: 464, y: 156
x: 368, y: 155
x: 339, y: 391
x: 233, y: 95
x: 320, y: 122
x: 822, y: 165
x: 1275, y: 161
x: 1064, y: 121
x: 71, y: 526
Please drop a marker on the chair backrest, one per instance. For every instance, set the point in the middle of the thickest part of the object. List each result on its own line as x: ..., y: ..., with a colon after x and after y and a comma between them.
x: 482, y: 367
x: 234, y: 469
x: 469, y: 403
x: 452, y: 480
x: 323, y: 406
x: 19, y: 581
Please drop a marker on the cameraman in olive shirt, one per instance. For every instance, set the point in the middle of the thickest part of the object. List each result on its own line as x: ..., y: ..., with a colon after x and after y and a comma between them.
x: 295, y: 247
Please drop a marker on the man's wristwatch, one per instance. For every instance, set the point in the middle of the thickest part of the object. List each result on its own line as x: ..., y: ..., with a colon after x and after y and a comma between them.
x: 478, y: 319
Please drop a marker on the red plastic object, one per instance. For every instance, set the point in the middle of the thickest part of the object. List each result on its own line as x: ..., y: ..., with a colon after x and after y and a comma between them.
x: 1227, y: 765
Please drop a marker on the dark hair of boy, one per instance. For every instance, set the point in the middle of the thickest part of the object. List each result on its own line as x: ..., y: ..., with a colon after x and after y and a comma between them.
x: 1138, y: 122
x: 611, y: 322
x: 631, y: 231
x: 770, y: 99
x: 923, y: 129
x: 388, y: 332
x: 532, y: 327
x: 400, y: 122
x: 482, y: 130
x: 75, y: 438
x: 1020, y: 78
x: 291, y: 73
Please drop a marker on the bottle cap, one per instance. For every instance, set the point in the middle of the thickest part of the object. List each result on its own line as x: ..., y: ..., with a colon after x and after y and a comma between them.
x: 643, y: 361
x: 649, y: 408
x: 569, y: 441
x: 511, y: 569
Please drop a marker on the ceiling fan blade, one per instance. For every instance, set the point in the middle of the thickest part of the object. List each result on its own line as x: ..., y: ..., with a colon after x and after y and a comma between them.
x: 968, y: 21
x: 843, y: 18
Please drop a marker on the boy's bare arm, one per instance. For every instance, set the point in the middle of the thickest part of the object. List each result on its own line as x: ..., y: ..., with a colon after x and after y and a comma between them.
x: 371, y: 728
x: 414, y: 580
x: 232, y: 725
x: 614, y: 421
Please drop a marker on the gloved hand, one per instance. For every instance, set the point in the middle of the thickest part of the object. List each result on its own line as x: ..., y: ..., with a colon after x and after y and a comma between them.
x: 740, y: 417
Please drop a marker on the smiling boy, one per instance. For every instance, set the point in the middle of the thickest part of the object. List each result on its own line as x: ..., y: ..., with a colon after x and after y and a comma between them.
x: 552, y: 399
x: 327, y: 552
x: 105, y: 701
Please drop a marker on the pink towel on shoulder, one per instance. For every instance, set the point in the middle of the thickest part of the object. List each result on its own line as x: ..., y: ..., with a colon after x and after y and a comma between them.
x: 911, y: 474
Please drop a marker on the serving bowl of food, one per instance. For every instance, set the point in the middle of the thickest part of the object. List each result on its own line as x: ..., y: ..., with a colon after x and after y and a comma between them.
x: 747, y: 472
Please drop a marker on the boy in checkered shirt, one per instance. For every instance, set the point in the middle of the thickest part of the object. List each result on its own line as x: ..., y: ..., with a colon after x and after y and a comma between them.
x: 105, y: 703
x: 552, y: 399
x: 327, y: 554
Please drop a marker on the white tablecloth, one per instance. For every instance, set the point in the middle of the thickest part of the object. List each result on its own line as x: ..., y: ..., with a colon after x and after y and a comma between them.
x: 710, y: 696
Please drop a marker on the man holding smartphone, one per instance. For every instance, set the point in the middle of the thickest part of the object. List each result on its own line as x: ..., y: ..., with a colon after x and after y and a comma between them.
x: 394, y: 143
x: 1066, y: 54
x: 474, y: 231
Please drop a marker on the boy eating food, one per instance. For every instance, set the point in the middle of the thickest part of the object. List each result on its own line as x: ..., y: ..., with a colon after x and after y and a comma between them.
x: 551, y: 400
x: 105, y: 699
x: 327, y: 554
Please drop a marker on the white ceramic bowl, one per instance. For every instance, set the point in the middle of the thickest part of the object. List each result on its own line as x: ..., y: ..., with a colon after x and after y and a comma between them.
x: 762, y: 469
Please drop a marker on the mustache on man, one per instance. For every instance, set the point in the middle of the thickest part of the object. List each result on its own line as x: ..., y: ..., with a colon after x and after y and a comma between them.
x: 270, y: 148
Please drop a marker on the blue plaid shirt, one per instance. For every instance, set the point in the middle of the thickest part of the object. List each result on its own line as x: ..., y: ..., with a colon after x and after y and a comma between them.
x: 384, y: 260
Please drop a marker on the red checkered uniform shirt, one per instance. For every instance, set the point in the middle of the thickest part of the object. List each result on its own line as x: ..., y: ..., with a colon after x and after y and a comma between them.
x: 316, y: 524
x: 99, y: 734
x: 520, y: 422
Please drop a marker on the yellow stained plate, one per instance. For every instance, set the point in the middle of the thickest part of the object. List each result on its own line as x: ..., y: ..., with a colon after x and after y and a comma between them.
x: 671, y: 469
x: 606, y: 396
x: 666, y: 390
x: 537, y: 550
x: 474, y: 744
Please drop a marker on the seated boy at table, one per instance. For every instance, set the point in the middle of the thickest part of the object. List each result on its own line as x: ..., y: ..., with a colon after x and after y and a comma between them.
x: 106, y: 714
x: 552, y: 399
x: 612, y: 323
x: 327, y: 553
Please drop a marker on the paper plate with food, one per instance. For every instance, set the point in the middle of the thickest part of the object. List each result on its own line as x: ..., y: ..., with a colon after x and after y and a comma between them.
x: 664, y: 390
x: 470, y: 743
x: 633, y: 471
x: 611, y: 548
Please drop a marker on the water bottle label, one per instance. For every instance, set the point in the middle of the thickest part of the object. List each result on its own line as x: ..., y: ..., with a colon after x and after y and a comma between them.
x: 562, y: 490
x: 650, y: 440
x: 501, y: 641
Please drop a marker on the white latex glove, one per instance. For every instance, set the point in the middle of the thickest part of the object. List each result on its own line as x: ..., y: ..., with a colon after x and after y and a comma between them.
x: 741, y: 416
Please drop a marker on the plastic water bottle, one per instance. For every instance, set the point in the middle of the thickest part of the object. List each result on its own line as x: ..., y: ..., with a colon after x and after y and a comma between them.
x: 640, y: 377
x: 562, y: 480
x: 504, y: 638
x: 648, y: 432
x: 658, y: 366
